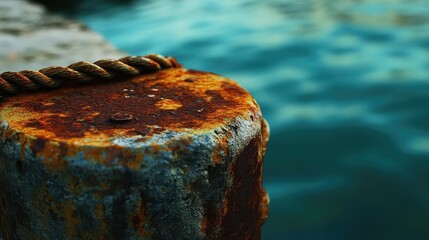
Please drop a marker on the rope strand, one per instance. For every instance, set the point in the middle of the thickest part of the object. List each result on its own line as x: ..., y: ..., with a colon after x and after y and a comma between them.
x: 52, y: 77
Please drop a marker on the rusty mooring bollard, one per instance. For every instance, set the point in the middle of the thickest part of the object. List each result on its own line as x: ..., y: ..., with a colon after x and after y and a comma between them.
x: 175, y: 154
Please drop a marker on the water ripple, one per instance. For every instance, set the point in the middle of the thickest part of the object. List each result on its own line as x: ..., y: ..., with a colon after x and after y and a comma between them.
x: 343, y: 84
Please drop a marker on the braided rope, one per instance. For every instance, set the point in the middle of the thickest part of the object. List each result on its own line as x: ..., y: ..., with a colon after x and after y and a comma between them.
x: 105, y: 69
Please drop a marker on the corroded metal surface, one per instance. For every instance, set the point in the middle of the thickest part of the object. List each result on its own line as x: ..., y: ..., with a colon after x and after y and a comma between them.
x: 182, y: 160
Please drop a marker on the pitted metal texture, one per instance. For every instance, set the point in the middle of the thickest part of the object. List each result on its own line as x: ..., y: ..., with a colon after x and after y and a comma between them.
x: 172, y: 154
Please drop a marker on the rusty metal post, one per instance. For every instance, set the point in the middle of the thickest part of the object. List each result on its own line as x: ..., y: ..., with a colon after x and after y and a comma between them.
x: 175, y: 154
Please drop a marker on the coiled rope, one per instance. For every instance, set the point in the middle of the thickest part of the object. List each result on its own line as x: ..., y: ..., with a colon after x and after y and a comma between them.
x: 83, y: 72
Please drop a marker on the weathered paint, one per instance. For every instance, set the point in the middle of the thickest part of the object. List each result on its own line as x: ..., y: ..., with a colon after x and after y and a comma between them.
x: 184, y: 160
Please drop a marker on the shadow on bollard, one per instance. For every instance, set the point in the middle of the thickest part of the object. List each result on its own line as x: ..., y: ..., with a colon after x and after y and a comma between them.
x: 172, y: 154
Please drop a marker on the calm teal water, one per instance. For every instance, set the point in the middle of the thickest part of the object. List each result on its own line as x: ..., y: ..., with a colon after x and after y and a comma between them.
x: 343, y: 84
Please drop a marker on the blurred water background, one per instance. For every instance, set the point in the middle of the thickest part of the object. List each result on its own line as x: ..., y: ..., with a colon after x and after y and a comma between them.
x: 343, y: 84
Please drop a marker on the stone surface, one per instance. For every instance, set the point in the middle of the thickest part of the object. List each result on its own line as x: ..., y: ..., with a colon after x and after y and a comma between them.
x: 188, y: 165
x: 32, y: 38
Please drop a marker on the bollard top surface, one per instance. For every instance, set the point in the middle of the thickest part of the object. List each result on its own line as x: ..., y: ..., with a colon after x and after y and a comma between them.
x: 144, y: 111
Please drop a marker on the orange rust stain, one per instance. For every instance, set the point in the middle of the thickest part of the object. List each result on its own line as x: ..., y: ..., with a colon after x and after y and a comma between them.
x: 177, y: 147
x: 222, y: 149
x: 168, y: 104
x: 265, y: 135
x: 52, y: 152
x: 265, y: 202
x: 25, y: 142
x: 241, y: 213
x: 48, y: 103
x: 242, y: 207
x: 136, y: 161
x: 82, y: 112
x: 139, y: 218
x: 155, y: 148
x: 217, y: 158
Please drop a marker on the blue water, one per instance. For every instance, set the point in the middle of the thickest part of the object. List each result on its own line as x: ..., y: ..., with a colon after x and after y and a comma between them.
x: 343, y: 84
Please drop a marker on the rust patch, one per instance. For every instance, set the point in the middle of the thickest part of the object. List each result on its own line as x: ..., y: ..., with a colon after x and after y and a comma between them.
x: 52, y: 152
x: 76, y: 121
x: 265, y: 202
x: 241, y: 218
x: 265, y: 135
x: 168, y: 104
x: 138, y: 218
x: 166, y: 100
x: 222, y: 149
